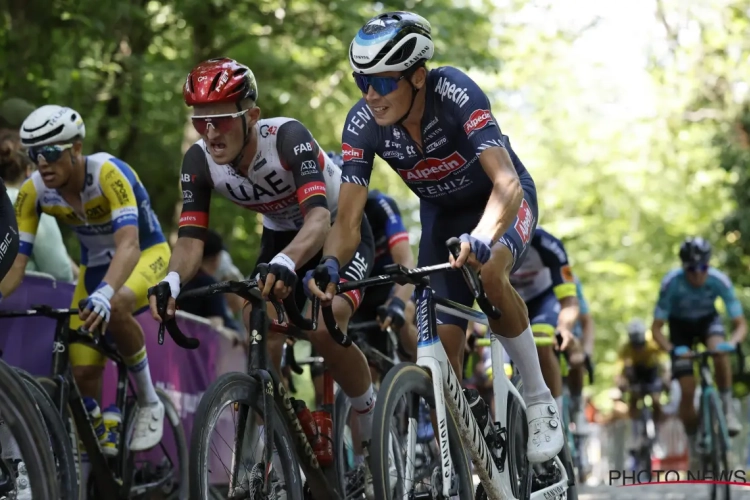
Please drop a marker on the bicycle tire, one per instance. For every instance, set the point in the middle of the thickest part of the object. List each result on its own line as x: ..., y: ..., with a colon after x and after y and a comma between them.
x: 719, y: 461
x: 62, y: 448
x: 564, y: 455
x: 244, y: 389
x: 27, y: 428
x: 401, y: 380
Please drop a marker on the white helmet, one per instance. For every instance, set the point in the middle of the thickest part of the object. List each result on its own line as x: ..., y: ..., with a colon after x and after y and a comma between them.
x: 394, y: 41
x: 637, y: 331
x: 52, y: 124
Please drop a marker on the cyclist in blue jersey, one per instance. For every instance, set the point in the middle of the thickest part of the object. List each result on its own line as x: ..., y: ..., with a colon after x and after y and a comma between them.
x: 545, y: 283
x: 584, y: 333
x: 436, y: 130
x: 687, y: 302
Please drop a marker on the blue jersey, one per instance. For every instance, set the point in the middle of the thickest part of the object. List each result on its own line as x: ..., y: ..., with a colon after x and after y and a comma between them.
x: 545, y: 269
x: 457, y: 126
x: 680, y: 300
x: 387, y: 227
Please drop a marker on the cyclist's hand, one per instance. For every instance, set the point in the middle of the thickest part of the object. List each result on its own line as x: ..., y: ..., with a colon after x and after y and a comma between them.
x: 96, y: 309
x: 726, y: 347
x: 394, y: 314
x: 330, y: 265
x: 281, y: 277
x: 472, y: 246
x: 568, y: 339
x: 169, y: 288
x: 681, y: 351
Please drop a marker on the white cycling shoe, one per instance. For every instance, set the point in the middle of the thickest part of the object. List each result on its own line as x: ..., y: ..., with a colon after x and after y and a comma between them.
x: 149, y: 427
x: 546, y: 437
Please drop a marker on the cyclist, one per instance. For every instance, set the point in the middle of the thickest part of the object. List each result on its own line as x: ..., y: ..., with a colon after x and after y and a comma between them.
x: 687, y: 302
x: 435, y: 128
x: 546, y: 284
x: 275, y: 167
x: 584, y: 333
x: 391, y: 245
x: 123, y: 250
x: 643, y: 372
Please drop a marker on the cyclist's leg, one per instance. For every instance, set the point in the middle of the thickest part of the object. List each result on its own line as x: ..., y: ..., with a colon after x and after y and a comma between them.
x: 87, y: 364
x: 543, y: 312
x: 128, y: 335
x: 653, y: 386
x: 375, y: 297
x: 723, y: 370
x: 575, y: 385
x: 348, y: 365
x: 682, y: 334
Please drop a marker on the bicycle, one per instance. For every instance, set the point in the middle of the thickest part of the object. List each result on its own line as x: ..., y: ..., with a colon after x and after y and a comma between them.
x: 643, y: 453
x: 111, y: 477
x: 713, y: 437
x: 504, y: 471
x: 260, y: 392
x: 25, y: 425
x: 575, y: 438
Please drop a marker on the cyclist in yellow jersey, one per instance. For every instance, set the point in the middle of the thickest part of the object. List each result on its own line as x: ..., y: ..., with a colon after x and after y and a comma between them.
x: 123, y: 250
x: 643, y: 371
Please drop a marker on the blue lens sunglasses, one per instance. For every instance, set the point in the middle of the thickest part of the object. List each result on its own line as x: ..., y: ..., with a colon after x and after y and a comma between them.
x: 383, y: 85
x: 51, y: 152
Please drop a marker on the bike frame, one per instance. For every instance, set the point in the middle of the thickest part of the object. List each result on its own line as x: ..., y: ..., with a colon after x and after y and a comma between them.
x: 448, y: 394
x: 708, y: 392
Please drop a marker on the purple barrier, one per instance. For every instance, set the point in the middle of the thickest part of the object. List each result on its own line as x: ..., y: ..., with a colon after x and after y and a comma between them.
x: 184, y: 375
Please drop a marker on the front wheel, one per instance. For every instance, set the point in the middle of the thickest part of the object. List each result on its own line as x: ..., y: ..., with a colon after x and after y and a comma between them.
x: 408, y: 383
x: 233, y: 401
x: 717, y: 461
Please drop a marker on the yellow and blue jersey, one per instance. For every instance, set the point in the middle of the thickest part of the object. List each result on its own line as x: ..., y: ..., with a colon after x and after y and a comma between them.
x: 112, y: 197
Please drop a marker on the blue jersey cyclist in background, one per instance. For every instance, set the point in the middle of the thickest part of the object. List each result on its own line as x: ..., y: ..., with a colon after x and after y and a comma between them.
x: 435, y: 129
x: 545, y: 283
x: 687, y: 303
x: 123, y: 253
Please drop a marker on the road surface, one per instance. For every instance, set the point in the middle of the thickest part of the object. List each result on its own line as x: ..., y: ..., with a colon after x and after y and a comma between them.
x: 657, y: 492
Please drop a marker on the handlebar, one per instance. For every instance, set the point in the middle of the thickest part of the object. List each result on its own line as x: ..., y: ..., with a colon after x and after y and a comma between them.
x: 249, y: 291
x: 472, y: 280
x: 40, y: 310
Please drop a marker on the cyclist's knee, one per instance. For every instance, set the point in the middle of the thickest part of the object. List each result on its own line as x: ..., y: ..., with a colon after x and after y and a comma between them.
x: 123, y: 304
x: 342, y: 312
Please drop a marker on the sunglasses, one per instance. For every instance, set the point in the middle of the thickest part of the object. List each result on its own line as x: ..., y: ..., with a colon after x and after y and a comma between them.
x: 50, y: 153
x: 220, y: 123
x: 383, y: 85
x: 693, y: 268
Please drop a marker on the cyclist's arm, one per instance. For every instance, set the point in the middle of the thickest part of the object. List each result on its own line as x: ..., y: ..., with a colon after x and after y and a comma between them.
x: 483, y: 132
x: 587, y: 327
x: 50, y: 255
x: 187, y: 254
x: 27, y: 216
x: 304, y: 163
x: 358, y: 154
x: 662, y: 311
x: 734, y: 309
x: 398, y: 243
x: 119, y: 192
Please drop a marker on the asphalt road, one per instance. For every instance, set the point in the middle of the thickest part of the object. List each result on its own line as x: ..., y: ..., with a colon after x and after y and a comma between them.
x: 657, y: 492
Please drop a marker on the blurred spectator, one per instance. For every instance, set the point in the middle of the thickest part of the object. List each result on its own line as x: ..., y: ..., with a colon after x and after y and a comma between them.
x: 214, y: 307
x: 49, y: 254
x: 13, y: 112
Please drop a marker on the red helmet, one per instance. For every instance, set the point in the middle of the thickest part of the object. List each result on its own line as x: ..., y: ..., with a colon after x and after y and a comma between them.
x: 219, y: 80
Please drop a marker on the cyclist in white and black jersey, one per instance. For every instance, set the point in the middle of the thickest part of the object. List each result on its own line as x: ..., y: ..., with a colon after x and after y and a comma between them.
x: 274, y: 167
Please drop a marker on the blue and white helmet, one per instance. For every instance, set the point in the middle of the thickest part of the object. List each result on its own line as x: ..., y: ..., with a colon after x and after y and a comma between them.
x: 394, y: 41
x: 52, y: 124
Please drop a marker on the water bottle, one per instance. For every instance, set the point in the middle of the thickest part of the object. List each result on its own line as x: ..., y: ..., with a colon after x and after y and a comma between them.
x: 306, y: 420
x: 112, y: 418
x: 95, y: 416
x: 482, y: 415
x: 324, y: 447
